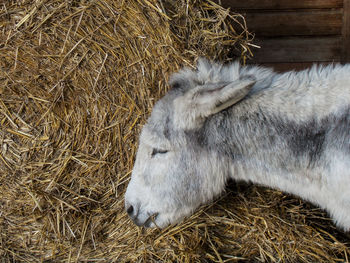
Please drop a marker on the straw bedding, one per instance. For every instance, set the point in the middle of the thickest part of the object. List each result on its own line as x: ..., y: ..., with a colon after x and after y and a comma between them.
x: 78, y: 79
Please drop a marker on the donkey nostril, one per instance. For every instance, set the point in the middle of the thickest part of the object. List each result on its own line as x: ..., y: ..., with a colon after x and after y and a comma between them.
x: 130, y: 210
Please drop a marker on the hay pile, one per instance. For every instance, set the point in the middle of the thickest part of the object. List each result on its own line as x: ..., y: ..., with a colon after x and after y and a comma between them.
x: 78, y: 79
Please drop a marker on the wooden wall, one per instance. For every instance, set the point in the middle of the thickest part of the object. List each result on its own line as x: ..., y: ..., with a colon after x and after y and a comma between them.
x: 295, y: 33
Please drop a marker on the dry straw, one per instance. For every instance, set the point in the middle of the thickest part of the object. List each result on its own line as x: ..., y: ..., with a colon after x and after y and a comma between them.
x: 78, y: 79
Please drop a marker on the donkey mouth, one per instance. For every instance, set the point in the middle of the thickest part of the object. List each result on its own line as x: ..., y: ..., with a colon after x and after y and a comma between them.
x: 149, y: 222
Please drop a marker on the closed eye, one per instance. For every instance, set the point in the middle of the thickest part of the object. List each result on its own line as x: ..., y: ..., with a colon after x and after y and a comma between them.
x: 158, y: 151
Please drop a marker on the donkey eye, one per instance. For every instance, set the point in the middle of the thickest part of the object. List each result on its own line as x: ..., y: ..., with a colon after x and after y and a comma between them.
x: 158, y: 151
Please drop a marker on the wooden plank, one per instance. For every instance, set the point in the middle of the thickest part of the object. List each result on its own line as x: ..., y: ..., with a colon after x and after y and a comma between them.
x: 346, y: 32
x: 280, y: 4
x: 325, y: 22
x: 322, y: 49
x: 297, y: 66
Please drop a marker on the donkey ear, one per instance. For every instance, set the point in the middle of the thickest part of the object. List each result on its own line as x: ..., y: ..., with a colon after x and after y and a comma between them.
x: 213, y: 98
x: 203, y: 101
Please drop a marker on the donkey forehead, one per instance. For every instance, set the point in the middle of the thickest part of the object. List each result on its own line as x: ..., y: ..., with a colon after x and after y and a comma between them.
x: 156, y: 130
x: 153, y: 137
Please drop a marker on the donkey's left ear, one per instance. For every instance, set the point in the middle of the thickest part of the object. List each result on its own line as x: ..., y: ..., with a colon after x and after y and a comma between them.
x: 203, y: 101
x: 214, y: 98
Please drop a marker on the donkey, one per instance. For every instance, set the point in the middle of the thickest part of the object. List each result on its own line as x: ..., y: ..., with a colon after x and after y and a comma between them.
x: 289, y: 131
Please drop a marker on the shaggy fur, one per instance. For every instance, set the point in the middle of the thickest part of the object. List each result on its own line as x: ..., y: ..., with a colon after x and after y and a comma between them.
x: 288, y: 131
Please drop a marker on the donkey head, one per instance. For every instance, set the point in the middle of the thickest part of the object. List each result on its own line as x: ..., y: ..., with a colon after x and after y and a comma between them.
x: 173, y: 174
